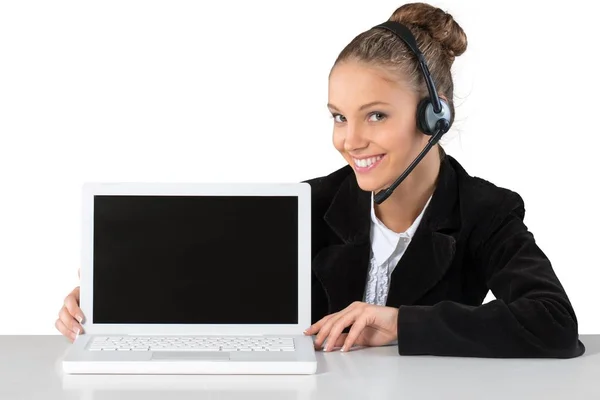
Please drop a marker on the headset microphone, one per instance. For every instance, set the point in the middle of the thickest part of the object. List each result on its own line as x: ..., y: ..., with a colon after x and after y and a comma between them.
x: 384, y: 194
x: 433, y: 114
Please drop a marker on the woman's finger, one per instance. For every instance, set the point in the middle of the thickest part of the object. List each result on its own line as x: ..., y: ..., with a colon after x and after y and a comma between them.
x: 340, y: 340
x: 316, y: 327
x: 69, y: 322
x: 324, y: 331
x: 340, y: 324
x: 64, y: 330
x: 326, y: 328
x: 357, y: 328
x: 72, y: 305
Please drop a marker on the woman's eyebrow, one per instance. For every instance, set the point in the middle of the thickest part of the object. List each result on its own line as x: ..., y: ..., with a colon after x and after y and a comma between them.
x: 373, y: 103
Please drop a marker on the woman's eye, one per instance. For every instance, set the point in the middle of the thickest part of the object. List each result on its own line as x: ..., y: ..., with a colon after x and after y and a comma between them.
x: 338, y: 118
x: 379, y: 116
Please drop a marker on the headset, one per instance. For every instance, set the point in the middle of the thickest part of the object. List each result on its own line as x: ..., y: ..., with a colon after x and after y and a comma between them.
x: 433, y: 114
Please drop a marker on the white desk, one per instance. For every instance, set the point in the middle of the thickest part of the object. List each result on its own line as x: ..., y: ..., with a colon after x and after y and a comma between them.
x: 30, y: 369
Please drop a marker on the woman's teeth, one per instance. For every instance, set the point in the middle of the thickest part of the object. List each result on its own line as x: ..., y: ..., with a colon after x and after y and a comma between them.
x: 367, y: 161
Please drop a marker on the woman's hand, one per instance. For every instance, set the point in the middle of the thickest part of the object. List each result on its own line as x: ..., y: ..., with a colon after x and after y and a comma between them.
x: 70, y: 316
x: 372, y: 325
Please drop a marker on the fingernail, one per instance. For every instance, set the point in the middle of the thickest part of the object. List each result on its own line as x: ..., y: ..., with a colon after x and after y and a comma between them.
x: 343, y: 349
x: 79, y: 318
x: 77, y: 332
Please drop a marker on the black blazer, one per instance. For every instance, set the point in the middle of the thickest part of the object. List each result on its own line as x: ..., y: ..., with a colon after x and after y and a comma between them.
x: 471, y: 239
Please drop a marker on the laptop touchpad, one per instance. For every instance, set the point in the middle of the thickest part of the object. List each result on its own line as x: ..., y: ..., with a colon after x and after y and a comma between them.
x: 190, y: 355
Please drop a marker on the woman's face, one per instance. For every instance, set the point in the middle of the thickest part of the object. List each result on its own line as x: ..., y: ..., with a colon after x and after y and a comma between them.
x: 374, y: 123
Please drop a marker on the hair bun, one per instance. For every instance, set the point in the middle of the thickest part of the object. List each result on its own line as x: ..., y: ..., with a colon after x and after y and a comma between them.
x: 438, y: 24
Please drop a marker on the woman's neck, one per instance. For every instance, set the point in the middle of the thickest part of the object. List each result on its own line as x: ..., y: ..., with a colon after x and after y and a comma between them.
x: 399, y: 211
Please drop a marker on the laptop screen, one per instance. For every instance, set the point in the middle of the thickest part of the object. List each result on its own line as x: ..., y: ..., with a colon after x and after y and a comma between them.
x: 170, y: 259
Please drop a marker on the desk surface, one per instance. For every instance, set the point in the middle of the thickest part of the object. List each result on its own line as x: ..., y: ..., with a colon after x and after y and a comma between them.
x: 30, y: 369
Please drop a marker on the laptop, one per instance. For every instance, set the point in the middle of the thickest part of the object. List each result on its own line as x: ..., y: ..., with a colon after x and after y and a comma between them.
x: 194, y: 278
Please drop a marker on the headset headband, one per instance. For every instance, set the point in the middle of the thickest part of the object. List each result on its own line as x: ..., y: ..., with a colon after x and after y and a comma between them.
x: 407, y: 37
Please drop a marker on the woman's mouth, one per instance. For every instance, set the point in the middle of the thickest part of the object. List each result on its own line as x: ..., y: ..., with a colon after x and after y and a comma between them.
x: 367, y: 164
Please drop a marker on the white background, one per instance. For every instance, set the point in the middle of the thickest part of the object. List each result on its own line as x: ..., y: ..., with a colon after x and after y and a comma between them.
x: 190, y: 91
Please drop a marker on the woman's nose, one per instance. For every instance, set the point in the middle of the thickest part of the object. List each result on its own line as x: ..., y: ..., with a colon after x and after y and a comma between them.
x: 355, y: 137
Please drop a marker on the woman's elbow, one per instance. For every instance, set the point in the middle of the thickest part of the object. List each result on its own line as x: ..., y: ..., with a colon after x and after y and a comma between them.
x: 552, y: 328
x: 561, y: 334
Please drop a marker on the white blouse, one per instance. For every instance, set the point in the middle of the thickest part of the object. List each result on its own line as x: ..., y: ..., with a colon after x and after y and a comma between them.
x: 387, y: 248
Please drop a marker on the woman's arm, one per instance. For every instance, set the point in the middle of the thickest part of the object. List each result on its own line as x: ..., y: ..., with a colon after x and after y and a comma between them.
x: 531, y: 316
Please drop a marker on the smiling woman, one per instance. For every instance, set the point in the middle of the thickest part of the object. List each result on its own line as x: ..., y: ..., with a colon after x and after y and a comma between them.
x: 415, y: 268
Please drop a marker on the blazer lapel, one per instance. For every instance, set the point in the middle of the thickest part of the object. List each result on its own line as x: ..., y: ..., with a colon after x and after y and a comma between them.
x: 427, y: 258
x: 343, y: 268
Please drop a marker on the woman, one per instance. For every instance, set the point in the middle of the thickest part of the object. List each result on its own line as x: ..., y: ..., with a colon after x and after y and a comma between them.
x: 415, y: 267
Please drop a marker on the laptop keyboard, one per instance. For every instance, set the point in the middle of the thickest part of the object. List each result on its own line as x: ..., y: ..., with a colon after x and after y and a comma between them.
x: 190, y: 343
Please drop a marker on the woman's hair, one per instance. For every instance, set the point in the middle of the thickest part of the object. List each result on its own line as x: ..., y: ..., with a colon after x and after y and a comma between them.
x: 438, y: 36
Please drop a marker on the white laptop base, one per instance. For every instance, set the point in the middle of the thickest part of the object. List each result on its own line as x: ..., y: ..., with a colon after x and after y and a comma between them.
x: 145, y: 354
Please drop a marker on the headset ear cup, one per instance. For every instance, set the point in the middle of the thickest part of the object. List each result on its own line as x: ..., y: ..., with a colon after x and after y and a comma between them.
x: 446, y: 112
x: 422, y: 117
x: 425, y: 109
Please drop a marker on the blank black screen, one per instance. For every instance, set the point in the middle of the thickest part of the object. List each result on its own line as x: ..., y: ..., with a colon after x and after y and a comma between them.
x: 195, y: 259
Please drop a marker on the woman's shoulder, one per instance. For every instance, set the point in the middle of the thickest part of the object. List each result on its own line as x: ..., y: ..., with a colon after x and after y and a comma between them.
x: 487, y: 209
x: 480, y: 195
